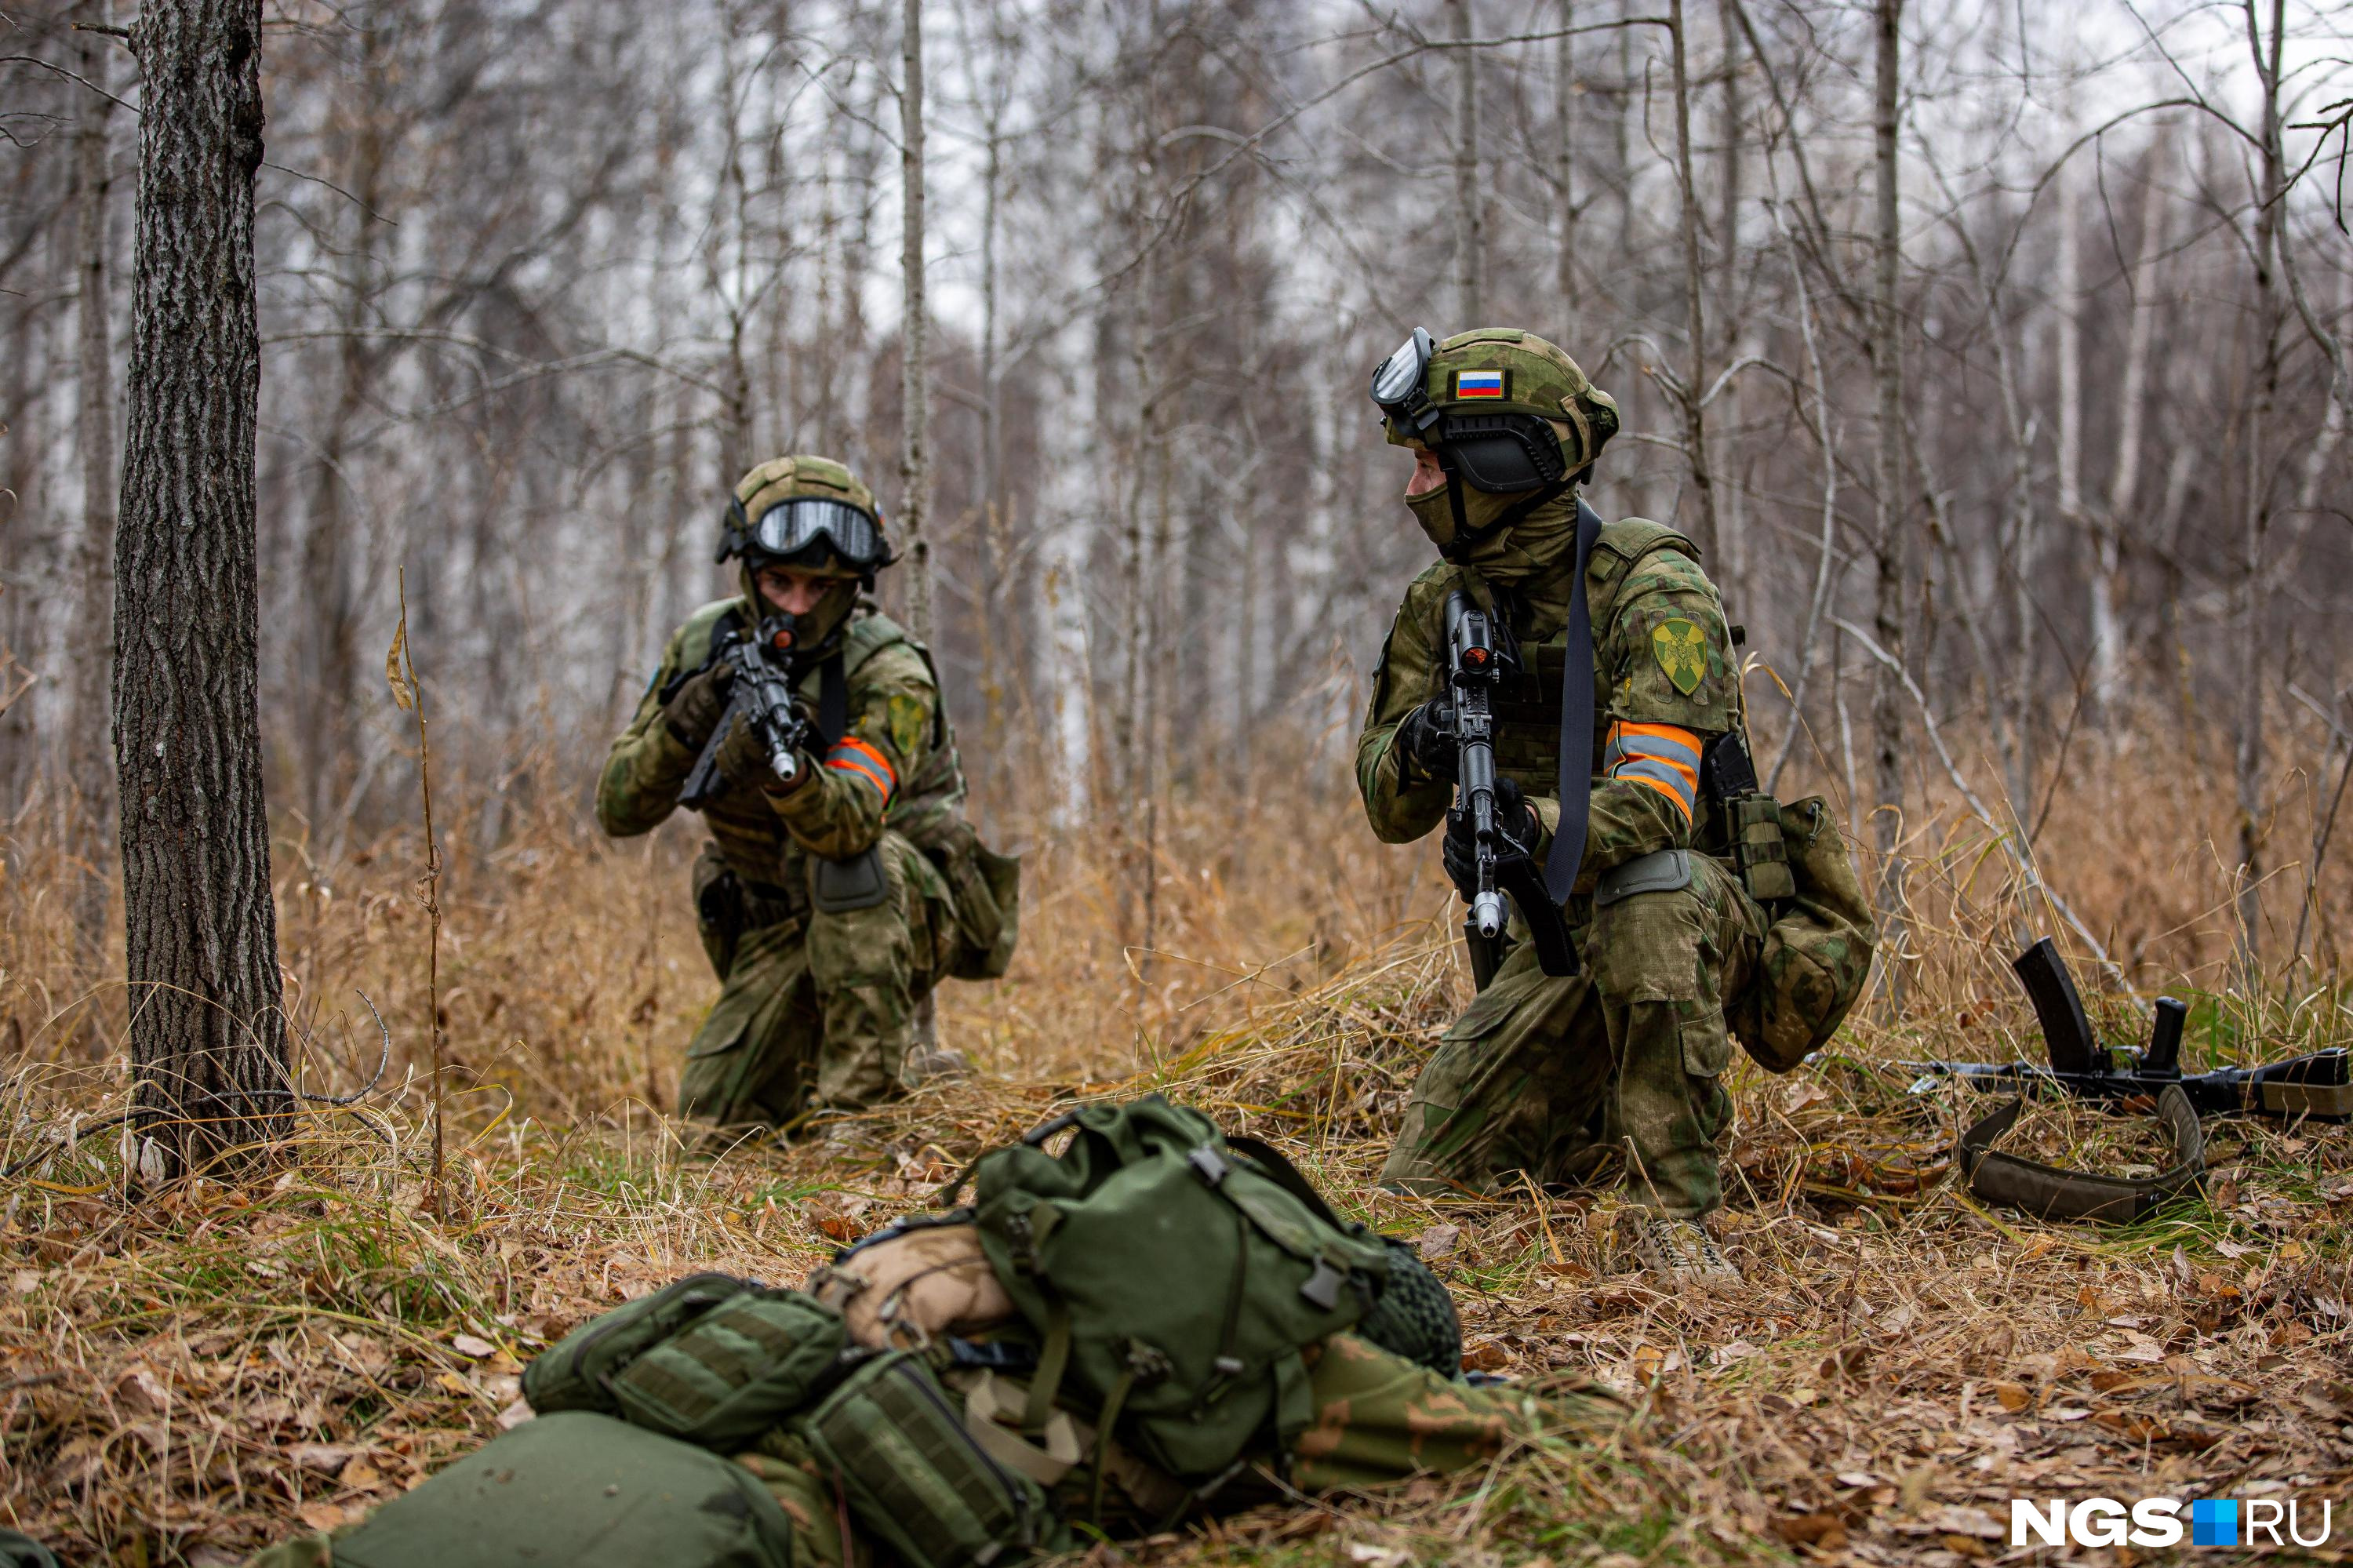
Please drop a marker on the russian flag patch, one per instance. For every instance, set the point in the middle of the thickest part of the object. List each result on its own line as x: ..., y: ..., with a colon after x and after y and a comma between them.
x: 1471, y: 384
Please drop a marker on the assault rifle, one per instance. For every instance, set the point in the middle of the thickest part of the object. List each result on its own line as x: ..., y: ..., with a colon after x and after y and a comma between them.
x: 2318, y: 1086
x: 1475, y: 669
x: 760, y: 695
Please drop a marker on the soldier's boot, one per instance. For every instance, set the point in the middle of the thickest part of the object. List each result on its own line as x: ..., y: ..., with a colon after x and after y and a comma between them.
x: 926, y: 1063
x: 1681, y: 1250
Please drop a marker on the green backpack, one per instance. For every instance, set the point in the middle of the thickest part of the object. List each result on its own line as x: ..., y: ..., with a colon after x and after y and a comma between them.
x: 713, y: 1360
x: 1817, y: 951
x: 1171, y: 1277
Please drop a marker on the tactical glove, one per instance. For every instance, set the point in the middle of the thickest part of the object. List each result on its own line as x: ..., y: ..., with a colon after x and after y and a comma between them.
x: 744, y: 760
x: 1514, y: 819
x: 1426, y: 736
x: 694, y: 709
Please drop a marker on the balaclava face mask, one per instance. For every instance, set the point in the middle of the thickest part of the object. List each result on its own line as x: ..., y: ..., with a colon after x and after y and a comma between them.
x: 1538, y: 546
x: 818, y: 627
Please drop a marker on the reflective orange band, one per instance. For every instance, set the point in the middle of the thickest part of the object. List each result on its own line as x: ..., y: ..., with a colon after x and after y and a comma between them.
x: 1663, y: 755
x: 852, y: 755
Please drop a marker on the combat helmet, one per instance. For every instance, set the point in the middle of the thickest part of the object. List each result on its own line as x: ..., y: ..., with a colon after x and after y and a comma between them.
x: 1502, y: 410
x: 808, y: 513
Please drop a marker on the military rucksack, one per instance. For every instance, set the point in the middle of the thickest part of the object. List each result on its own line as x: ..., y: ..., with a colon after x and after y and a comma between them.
x: 1171, y: 1277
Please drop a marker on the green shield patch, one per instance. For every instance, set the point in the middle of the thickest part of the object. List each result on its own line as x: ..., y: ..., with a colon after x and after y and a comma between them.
x: 908, y: 719
x: 1681, y: 648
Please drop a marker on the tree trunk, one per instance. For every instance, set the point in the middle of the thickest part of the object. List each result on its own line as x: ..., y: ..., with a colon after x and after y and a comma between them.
x: 207, y: 1034
x: 1890, y: 544
x: 915, y: 457
x: 2253, y: 632
x: 93, y: 632
x: 1694, y: 285
x: 1731, y: 522
x: 1470, y: 216
x: 1565, y: 109
x: 2132, y: 414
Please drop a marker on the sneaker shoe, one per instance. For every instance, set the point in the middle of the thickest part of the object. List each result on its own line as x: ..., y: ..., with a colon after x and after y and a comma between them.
x: 1682, y: 1249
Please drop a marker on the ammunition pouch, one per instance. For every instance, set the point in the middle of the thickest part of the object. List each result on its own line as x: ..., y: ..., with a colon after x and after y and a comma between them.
x: 840, y: 886
x: 1759, y: 848
x: 2050, y: 1192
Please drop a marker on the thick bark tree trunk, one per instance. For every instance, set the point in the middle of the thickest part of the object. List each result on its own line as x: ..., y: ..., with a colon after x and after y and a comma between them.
x: 207, y: 1032
x: 89, y: 756
x: 915, y: 457
x: 1890, y: 546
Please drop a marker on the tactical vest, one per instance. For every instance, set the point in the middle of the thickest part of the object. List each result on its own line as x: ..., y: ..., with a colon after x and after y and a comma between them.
x: 1526, y: 705
x: 929, y: 802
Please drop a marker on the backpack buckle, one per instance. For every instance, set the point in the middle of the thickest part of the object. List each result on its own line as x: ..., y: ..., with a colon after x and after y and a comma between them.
x: 1208, y: 1165
x: 1322, y: 1287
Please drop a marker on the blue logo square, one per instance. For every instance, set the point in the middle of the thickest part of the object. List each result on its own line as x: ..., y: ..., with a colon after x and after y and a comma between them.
x: 2214, y: 1522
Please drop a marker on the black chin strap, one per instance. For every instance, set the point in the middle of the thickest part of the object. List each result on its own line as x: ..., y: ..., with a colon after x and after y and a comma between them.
x: 1575, y: 722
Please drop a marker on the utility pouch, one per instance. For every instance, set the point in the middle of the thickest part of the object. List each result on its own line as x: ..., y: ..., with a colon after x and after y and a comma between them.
x: 915, y: 1476
x: 577, y: 1371
x: 734, y: 1371
x: 1759, y: 850
x: 839, y: 886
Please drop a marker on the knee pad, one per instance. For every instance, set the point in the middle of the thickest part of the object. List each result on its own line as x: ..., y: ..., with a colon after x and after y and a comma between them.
x: 839, y: 886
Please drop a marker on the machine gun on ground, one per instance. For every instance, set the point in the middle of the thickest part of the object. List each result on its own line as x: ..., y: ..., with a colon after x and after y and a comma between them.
x: 2318, y: 1087
x: 1474, y: 668
x: 760, y: 693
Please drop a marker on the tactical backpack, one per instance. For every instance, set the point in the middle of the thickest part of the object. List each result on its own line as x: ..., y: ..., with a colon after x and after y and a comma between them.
x: 1171, y: 1277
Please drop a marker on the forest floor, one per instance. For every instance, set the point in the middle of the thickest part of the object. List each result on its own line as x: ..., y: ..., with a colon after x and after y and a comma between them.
x: 191, y: 1373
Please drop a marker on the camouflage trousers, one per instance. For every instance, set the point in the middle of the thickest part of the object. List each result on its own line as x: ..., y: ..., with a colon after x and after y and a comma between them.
x: 1551, y: 1077
x: 814, y: 1006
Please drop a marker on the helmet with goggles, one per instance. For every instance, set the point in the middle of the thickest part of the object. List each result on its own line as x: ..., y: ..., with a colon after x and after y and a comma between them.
x: 1501, y: 409
x: 810, y: 513
x: 1504, y: 412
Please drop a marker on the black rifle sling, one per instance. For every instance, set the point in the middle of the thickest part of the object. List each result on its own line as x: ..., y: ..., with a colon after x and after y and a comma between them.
x: 1575, y: 722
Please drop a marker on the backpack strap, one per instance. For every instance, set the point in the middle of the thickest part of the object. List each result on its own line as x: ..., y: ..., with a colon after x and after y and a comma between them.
x: 1280, y: 1171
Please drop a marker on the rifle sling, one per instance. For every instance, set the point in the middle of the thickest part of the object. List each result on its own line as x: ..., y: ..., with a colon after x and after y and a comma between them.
x: 1575, y: 722
x: 2051, y: 1193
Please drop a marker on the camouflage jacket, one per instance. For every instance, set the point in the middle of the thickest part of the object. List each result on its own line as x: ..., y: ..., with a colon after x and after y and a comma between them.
x: 1662, y: 657
x: 895, y: 765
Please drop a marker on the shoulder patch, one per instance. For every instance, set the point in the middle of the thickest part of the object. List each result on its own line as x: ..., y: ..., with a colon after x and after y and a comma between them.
x: 908, y: 722
x: 1681, y: 648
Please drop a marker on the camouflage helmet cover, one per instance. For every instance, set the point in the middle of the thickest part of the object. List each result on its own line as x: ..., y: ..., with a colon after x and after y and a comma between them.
x: 1537, y: 377
x: 790, y: 478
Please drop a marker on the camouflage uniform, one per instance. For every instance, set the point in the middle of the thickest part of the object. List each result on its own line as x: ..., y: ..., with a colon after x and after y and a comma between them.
x: 1549, y: 1076
x: 814, y: 1002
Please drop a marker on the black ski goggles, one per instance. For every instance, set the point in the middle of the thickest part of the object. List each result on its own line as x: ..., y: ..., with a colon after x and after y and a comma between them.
x: 1503, y: 453
x: 792, y: 526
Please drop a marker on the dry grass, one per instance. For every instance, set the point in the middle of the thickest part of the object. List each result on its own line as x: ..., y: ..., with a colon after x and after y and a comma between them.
x: 186, y: 1375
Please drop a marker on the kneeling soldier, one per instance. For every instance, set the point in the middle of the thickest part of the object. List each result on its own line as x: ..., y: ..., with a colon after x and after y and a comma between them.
x: 841, y: 881
x: 1547, y: 1074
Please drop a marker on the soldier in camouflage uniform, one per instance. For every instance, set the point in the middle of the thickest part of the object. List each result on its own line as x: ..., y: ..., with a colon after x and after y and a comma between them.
x: 823, y: 913
x: 1543, y: 1076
